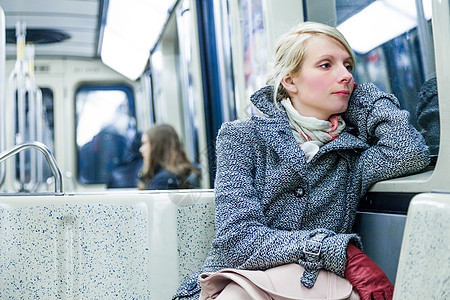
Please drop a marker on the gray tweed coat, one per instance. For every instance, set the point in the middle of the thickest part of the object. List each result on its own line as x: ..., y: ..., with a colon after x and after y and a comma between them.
x: 273, y: 208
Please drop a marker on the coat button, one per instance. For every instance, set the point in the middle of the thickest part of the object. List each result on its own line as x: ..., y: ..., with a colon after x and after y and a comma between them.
x: 283, y: 133
x: 300, y: 192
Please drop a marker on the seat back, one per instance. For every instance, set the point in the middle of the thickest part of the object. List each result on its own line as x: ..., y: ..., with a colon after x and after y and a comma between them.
x: 424, y: 264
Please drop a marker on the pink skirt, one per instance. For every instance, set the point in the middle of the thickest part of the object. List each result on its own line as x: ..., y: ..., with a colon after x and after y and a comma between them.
x: 279, y: 283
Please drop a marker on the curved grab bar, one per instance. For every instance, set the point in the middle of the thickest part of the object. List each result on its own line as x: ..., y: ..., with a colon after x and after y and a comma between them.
x: 48, y: 156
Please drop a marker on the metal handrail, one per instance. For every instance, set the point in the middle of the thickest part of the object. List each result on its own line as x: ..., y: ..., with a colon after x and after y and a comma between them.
x: 48, y: 156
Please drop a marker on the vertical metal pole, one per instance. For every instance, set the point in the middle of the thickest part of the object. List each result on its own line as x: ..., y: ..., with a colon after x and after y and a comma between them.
x: 27, y: 102
x: 2, y: 91
x: 39, y: 134
x: 425, y: 42
x: 21, y: 93
x: 32, y: 115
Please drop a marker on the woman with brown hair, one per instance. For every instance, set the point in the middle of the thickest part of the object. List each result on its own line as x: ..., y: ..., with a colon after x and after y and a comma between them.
x: 166, y: 165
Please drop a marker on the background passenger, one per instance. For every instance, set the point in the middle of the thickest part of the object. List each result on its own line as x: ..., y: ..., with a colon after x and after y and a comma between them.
x: 288, y: 184
x: 126, y: 175
x: 101, y: 155
x: 428, y: 115
x: 166, y: 165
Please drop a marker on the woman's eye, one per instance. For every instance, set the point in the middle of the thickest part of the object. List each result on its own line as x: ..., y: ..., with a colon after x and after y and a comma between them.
x: 325, y: 65
x: 349, y: 68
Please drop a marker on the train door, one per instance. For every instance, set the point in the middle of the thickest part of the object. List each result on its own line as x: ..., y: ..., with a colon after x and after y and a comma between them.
x: 74, y: 91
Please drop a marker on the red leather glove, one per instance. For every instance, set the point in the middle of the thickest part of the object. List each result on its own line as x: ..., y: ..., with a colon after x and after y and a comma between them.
x: 366, y: 277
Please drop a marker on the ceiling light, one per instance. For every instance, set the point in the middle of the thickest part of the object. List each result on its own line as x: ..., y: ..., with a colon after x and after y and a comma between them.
x: 132, y: 29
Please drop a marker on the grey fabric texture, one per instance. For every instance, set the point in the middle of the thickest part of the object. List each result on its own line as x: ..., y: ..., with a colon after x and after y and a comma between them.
x: 428, y: 114
x: 273, y: 208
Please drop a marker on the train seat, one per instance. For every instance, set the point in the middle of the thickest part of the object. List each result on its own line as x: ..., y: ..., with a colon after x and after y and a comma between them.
x: 142, y: 244
x: 120, y: 245
x: 425, y: 253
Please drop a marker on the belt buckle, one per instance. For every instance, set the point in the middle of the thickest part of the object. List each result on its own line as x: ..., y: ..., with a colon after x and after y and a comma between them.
x: 316, y: 245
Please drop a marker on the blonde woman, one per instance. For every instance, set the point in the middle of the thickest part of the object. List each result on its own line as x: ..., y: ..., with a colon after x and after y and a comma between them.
x: 288, y: 184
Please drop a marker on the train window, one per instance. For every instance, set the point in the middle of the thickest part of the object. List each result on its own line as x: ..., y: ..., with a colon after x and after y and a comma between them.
x: 396, y: 52
x: 105, y: 124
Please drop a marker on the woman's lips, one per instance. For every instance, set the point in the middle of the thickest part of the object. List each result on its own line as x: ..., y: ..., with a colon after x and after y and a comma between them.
x: 342, y: 93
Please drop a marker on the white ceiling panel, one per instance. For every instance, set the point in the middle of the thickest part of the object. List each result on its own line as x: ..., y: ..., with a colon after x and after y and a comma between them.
x: 64, y: 23
x: 51, y: 6
x: 80, y: 20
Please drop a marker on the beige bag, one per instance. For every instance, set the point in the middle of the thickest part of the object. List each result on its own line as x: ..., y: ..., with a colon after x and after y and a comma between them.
x: 279, y: 283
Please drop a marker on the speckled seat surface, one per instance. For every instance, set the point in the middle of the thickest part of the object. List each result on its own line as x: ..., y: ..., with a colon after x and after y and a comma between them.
x: 424, y: 264
x: 129, y: 245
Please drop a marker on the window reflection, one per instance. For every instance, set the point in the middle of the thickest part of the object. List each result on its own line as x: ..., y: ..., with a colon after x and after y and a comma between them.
x: 365, y: 30
x: 398, y: 58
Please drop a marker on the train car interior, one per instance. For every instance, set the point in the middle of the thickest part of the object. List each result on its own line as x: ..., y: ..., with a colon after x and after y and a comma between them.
x: 80, y: 80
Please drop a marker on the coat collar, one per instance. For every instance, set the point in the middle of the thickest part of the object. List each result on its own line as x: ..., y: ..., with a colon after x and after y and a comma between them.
x: 278, y: 137
x: 345, y: 141
x: 274, y: 129
x: 263, y: 100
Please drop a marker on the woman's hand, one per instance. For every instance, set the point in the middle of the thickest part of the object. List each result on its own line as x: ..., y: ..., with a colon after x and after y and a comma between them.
x: 366, y: 277
x: 361, y: 105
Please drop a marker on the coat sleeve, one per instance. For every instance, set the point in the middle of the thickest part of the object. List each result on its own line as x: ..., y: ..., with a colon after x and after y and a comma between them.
x: 242, y: 232
x: 396, y: 147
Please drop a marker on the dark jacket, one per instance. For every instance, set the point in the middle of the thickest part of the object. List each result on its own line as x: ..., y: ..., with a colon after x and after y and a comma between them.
x: 273, y: 208
x: 428, y: 115
x: 126, y: 175
x: 165, y: 180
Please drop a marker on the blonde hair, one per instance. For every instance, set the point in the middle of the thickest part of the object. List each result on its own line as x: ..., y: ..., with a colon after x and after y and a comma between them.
x: 290, y: 52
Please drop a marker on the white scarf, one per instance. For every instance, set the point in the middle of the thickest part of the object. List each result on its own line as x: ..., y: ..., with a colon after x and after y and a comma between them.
x: 311, y: 132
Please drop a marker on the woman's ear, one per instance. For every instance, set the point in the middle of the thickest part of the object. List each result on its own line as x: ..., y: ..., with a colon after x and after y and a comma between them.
x: 288, y: 84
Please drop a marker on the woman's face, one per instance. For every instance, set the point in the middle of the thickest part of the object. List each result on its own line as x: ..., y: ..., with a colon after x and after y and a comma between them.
x: 145, y: 148
x: 324, y: 83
